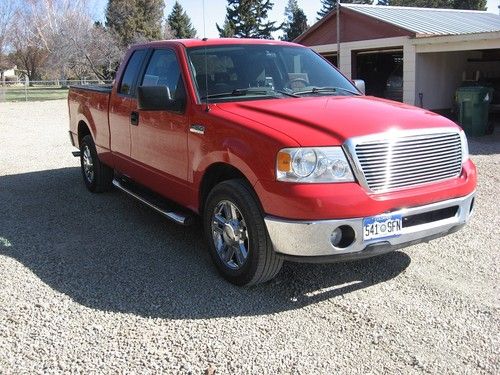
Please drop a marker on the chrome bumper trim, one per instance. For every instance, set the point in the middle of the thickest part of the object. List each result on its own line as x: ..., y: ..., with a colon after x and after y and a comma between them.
x: 312, y: 238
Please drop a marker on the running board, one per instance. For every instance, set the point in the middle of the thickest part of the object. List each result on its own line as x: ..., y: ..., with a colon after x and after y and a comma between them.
x: 161, y: 207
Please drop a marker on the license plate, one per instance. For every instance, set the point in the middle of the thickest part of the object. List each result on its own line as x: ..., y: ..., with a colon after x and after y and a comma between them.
x: 384, y: 226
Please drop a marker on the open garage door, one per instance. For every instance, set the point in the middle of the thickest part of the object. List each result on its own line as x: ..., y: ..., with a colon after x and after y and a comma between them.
x: 440, y: 74
x: 382, y: 71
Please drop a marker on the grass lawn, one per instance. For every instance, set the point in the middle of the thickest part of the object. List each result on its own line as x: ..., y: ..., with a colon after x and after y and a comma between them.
x: 16, y: 94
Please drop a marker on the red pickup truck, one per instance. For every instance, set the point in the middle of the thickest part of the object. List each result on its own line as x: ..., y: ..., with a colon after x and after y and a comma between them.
x: 280, y: 154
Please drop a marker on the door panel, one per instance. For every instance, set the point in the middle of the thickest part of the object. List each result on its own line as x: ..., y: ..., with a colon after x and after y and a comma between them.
x: 122, y: 103
x: 159, y: 141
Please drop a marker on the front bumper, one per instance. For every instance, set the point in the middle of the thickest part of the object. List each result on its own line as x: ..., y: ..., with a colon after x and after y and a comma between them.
x: 309, y: 241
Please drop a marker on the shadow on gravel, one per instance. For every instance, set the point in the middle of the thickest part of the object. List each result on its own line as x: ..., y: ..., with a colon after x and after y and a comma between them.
x: 108, y: 252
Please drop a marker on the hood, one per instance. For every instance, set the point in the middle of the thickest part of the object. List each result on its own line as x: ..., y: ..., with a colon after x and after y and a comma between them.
x: 330, y: 120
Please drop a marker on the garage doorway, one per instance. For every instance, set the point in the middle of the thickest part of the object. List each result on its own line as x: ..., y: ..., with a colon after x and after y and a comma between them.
x: 331, y: 57
x: 382, y: 71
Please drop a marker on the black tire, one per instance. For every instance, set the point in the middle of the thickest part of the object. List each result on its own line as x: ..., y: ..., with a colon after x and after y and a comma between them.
x: 262, y: 262
x: 101, y: 178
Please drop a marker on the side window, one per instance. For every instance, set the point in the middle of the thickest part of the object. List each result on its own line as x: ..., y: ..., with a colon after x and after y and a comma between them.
x: 163, y: 70
x: 131, y: 72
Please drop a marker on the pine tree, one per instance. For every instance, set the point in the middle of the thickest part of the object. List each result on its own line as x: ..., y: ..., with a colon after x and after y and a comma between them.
x: 227, y: 30
x: 247, y: 18
x: 328, y: 5
x: 296, y: 21
x: 134, y: 20
x: 180, y: 23
x: 451, y: 4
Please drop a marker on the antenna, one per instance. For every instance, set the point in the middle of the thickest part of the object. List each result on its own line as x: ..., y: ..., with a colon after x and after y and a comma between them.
x: 207, y: 108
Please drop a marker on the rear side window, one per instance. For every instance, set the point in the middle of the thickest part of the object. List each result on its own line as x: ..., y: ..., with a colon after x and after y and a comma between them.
x: 131, y: 72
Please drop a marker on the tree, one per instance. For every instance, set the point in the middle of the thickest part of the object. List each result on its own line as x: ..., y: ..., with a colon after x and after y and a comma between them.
x: 470, y: 4
x: 296, y: 21
x: 328, y: 5
x: 28, y: 53
x: 6, y: 19
x: 227, y: 30
x: 452, y: 4
x: 133, y: 20
x: 247, y: 18
x: 180, y: 23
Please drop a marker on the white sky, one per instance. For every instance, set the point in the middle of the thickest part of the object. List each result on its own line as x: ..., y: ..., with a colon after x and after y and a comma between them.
x: 216, y: 11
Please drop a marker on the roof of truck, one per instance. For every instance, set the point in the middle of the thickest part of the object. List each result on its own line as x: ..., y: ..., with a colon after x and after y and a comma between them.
x: 218, y: 42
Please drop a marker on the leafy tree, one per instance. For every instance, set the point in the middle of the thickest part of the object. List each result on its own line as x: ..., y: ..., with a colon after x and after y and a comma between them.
x: 247, y: 18
x: 296, y: 21
x: 180, y: 23
x: 134, y: 20
x: 329, y: 5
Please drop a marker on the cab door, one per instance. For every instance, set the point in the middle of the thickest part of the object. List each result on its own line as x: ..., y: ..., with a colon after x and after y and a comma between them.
x: 123, y: 103
x: 159, y: 138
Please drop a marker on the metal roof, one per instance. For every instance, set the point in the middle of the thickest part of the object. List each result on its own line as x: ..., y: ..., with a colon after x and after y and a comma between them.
x: 429, y: 21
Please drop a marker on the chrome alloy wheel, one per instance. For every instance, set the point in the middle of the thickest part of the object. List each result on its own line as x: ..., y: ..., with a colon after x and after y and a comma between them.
x: 88, y: 164
x: 230, y: 235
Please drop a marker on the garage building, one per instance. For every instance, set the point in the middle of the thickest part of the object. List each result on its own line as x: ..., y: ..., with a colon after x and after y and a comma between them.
x: 416, y: 55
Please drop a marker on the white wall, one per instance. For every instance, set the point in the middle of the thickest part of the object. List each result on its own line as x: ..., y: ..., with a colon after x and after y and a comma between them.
x: 438, y: 75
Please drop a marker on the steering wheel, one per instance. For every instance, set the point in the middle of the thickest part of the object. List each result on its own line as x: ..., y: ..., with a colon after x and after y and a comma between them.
x: 290, y: 82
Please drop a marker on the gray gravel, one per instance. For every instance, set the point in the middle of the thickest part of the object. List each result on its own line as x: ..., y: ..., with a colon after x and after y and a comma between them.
x: 101, y: 284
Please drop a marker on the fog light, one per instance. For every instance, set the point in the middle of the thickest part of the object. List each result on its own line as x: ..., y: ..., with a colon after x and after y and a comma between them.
x: 342, y: 236
x: 336, y: 237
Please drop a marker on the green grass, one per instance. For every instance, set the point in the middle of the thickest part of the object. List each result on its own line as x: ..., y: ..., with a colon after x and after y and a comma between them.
x: 17, y: 94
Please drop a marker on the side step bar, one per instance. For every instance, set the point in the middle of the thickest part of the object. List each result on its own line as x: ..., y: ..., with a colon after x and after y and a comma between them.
x: 177, y: 217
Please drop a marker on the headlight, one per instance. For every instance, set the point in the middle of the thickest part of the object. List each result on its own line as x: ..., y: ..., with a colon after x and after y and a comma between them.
x: 465, y: 146
x: 313, y: 164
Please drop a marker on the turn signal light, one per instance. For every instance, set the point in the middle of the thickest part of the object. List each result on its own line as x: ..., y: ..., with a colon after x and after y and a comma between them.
x: 284, y: 162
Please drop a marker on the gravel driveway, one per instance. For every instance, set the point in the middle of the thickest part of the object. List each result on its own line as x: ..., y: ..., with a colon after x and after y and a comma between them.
x: 101, y: 284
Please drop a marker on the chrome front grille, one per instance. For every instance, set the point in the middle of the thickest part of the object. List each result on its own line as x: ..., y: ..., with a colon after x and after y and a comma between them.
x: 404, y: 161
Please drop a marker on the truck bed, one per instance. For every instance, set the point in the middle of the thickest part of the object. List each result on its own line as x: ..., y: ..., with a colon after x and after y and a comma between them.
x: 90, y: 104
x: 99, y: 88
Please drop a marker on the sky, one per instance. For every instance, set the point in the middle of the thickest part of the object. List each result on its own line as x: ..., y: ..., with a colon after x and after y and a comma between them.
x: 215, y: 11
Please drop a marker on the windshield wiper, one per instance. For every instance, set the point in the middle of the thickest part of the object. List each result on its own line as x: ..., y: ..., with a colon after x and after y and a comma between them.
x: 250, y: 90
x: 320, y: 90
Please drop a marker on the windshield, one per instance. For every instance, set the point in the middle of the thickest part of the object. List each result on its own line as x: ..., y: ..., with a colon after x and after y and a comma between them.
x: 249, y: 72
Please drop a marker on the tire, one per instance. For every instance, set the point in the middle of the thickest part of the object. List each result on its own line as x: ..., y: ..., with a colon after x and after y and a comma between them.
x: 97, y: 176
x: 225, y: 235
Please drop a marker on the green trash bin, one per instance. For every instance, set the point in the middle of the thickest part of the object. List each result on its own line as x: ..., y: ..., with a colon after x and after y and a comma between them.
x: 473, y: 106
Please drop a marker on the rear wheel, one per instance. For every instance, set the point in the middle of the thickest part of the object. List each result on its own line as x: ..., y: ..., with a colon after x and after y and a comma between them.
x: 237, y: 236
x: 97, y: 176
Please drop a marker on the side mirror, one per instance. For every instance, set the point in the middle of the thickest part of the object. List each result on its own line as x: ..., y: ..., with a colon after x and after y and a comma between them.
x: 360, y: 85
x: 157, y: 98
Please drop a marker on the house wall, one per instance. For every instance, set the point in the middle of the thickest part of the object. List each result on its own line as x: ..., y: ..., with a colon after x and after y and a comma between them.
x: 353, y: 27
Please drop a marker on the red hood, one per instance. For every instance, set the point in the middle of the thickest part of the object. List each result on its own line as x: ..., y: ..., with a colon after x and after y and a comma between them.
x: 330, y: 120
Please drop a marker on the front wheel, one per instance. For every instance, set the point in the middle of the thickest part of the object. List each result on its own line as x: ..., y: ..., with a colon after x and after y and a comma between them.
x: 237, y: 236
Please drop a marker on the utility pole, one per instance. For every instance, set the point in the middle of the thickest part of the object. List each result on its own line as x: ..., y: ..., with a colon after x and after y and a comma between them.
x: 338, y: 34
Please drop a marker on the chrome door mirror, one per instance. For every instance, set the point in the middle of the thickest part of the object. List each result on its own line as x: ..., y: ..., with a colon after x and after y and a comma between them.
x: 360, y: 85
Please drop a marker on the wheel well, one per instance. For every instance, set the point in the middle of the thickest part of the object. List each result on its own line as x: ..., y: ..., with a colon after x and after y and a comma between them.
x: 216, y: 174
x: 83, y: 130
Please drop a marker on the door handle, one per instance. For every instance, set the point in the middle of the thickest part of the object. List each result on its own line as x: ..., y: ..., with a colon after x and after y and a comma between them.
x: 197, y: 129
x: 134, y: 118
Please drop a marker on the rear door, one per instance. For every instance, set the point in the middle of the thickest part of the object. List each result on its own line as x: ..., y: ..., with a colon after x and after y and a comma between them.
x: 122, y: 109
